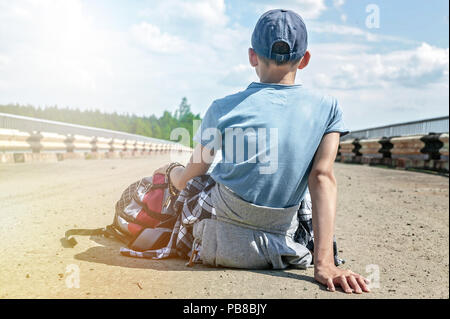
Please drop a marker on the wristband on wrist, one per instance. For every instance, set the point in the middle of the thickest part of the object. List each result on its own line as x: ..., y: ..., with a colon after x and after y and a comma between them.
x: 172, y: 189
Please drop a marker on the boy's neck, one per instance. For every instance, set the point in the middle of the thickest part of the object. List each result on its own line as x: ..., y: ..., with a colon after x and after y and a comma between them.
x: 278, y: 77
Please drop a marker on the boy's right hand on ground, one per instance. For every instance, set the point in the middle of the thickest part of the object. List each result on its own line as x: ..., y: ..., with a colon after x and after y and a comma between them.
x: 332, y: 276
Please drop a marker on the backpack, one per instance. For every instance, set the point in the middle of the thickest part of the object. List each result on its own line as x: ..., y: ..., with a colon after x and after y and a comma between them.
x: 144, y: 216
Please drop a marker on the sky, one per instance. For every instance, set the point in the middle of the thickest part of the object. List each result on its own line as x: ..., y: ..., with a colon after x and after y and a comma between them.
x: 385, y: 61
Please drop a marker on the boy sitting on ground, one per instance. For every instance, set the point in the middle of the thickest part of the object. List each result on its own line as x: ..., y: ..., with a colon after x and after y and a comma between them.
x: 276, y: 138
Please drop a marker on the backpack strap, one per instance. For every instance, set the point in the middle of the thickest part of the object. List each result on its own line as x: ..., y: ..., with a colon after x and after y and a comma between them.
x: 68, y: 241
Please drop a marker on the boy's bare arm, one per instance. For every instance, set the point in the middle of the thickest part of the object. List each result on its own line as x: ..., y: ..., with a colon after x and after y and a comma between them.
x: 198, y: 165
x: 323, y: 189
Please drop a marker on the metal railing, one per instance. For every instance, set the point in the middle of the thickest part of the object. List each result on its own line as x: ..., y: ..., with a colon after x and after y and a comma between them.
x: 29, y: 124
x: 424, y: 127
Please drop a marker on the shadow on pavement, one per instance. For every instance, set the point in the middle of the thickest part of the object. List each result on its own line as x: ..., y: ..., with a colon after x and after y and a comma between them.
x: 108, y: 254
x: 288, y: 274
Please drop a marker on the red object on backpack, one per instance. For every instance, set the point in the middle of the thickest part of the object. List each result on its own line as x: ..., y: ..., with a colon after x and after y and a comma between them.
x: 144, y: 204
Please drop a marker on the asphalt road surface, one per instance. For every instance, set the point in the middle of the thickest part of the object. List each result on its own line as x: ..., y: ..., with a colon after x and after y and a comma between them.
x: 392, y: 226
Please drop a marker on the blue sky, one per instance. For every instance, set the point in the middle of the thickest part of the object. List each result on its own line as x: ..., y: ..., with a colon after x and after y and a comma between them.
x: 142, y: 56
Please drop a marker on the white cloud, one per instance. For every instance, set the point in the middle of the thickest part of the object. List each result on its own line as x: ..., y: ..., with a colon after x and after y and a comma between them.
x: 211, y: 12
x: 54, y: 53
x: 370, y: 107
x: 4, y: 60
x: 373, y: 94
x: 419, y: 67
x: 151, y: 38
x: 308, y: 9
x: 354, y: 32
x: 239, y: 76
x: 231, y: 39
x: 424, y: 65
x: 337, y: 29
x: 49, y: 36
x: 338, y: 3
x: 207, y: 12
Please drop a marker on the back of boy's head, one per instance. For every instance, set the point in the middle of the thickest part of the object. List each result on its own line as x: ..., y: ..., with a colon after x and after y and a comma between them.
x: 280, y: 37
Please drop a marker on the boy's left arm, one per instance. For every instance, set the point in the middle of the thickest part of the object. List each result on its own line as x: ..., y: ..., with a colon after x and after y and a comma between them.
x: 323, y: 189
x: 198, y: 165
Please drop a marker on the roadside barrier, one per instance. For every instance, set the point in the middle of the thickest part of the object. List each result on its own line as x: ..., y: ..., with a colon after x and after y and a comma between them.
x: 12, y: 142
x: 346, y: 151
x: 432, y: 146
x: 25, y: 138
x: 42, y: 142
x: 444, y: 152
x: 349, y: 151
x: 408, y: 146
x: 19, y: 147
x: 428, y: 152
x: 79, y: 143
x: 129, y: 146
x: 101, y: 144
x: 386, y: 147
x: 444, y: 149
x: 139, y: 148
x: 32, y: 143
x: 370, y: 150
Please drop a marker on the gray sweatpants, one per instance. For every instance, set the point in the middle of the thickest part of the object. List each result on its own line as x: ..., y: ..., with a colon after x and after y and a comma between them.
x: 249, y: 236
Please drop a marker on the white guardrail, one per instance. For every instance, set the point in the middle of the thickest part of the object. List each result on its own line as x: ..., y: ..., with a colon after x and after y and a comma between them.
x: 24, y: 138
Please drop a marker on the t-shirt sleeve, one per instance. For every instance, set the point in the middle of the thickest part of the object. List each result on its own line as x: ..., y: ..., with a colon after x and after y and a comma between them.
x: 336, y: 121
x: 208, y: 134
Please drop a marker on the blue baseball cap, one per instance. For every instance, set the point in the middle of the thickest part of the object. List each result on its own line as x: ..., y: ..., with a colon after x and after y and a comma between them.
x: 280, y: 25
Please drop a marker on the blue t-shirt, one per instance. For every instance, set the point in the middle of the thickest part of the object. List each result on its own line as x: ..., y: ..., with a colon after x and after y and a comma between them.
x: 268, y: 135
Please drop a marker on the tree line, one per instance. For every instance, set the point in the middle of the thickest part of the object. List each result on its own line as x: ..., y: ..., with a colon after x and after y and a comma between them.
x: 150, y: 126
